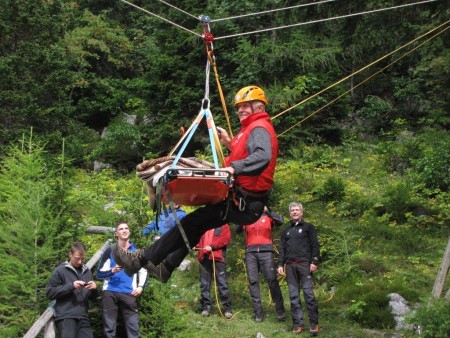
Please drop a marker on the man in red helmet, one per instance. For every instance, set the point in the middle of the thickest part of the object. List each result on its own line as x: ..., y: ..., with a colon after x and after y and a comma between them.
x: 252, y: 160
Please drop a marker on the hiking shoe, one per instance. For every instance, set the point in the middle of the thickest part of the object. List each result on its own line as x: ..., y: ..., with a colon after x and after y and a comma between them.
x: 298, y: 329
x: 159, y: 272
x: 205, y: 313
x: 228, y: 315
x: 314, y: 329
x: 130, y: 261
x: 281, y: 317
x: 258, y: 319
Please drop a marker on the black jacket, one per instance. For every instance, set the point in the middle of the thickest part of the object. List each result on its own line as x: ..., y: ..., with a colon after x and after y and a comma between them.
x: 70, y: 302
x: 299, y: 243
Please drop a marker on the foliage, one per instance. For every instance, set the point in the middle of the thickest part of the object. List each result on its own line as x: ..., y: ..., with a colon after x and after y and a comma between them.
x: 432, y: 316
x: 371, y: 169
x: 332, y: 189
x: 159, y: 315
x: 30, y: 239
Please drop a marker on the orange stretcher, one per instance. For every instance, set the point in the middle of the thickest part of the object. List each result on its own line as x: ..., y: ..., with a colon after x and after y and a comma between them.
x: 193, y: 186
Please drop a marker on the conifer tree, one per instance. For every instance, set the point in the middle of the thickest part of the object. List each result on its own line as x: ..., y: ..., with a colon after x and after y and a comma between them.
x: 28, y: 233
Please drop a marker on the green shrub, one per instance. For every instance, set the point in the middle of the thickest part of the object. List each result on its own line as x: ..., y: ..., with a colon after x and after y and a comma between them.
x: 332, y: 189
x: 159, y: 314
x: 399, y: 198
x: 432, y: 316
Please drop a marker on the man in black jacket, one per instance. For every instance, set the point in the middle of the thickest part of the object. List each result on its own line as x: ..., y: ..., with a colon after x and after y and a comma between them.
x: 71, y: 285
x: 300, y: 251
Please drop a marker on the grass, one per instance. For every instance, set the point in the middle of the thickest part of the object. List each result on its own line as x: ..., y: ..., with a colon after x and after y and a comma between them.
x: 184, y: 289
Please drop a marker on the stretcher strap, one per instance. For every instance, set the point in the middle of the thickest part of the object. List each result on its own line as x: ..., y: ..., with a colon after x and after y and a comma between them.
x: 177, y: 220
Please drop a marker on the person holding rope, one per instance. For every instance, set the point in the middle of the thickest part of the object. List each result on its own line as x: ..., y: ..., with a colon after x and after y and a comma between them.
x: 252, y: 160
x: 212, y: 252
x: 300, y: 251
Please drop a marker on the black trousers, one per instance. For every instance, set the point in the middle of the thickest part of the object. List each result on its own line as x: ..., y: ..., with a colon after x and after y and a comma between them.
x: 298, y: 275
x: 196, y: 224
x: 74, y: 328
x: 112, y: 302
x: 207, y: 278
x: 264, y: 262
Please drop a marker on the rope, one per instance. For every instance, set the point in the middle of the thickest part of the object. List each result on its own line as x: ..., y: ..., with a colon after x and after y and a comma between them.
x: 321, y: 20
x: 160, y: 17
x: 209, y: 38
x: 270, y: 11
x: 178, y: 9
x: 358, y: 71
x: 365, y: 80
x: 216, y: 293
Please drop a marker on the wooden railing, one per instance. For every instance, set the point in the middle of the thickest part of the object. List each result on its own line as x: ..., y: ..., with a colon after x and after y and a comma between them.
x: 45, y: 321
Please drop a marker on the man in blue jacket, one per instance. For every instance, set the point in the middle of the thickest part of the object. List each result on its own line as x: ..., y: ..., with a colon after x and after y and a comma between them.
x: 164, y: 223
x: 120, y: 291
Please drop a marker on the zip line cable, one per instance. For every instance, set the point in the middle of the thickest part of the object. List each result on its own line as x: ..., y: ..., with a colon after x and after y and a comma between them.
x: 321, y: 20
x: 160, y: 17
x: 365, y: 80
x: 179, y: 9
x: 271, y: 11
x: 359, y: 70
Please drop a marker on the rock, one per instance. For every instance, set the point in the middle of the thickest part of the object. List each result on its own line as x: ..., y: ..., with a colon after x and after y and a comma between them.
x: 185, y: 265
x: 399, y: 309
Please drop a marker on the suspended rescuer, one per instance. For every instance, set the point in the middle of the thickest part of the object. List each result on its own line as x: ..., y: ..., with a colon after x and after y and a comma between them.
x: 252, y: 160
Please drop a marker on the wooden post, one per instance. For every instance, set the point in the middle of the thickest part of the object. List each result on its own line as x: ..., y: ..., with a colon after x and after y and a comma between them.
x: 99, y: 229
x: 442, y: 274
x: 49, y: 329
x: 41, y: 322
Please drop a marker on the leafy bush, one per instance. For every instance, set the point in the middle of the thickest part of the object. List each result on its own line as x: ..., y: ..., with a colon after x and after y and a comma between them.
x: 432, y: 316
x: 375, y: 114
x: 432, y: 167
x: 368, y: 304
x: 332, y: 189
x: 159, y: 314
x: 398, y: 199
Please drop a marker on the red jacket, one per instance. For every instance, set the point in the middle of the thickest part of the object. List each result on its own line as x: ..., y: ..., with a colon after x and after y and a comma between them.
x: 218, y: 239
x: 264, y: 181
x: 258, y: 236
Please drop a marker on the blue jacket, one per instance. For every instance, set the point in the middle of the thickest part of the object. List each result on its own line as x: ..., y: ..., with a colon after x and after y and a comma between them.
x: 164, y: 223
x: 119, y: 281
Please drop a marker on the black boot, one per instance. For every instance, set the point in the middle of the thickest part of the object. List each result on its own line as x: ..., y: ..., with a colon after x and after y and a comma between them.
x: 160, y: 272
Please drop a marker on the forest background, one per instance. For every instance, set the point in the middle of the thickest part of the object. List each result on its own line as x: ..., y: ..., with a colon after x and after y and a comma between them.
x: 371, y: 168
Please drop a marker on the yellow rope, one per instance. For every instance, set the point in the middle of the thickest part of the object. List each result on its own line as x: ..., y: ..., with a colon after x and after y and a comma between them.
x: 358, y: 71
x: 216, y: 292
x: 365, y: 80
x: 222, y: 97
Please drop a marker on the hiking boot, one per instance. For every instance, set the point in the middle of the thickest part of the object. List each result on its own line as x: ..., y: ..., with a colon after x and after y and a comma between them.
x: 159, y: 272
x: 281, y: 316
x: 314, y: 329
x: 298, y: 329
x: 130, y: 261
x: 228, y: 315
x: 205, y: 313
